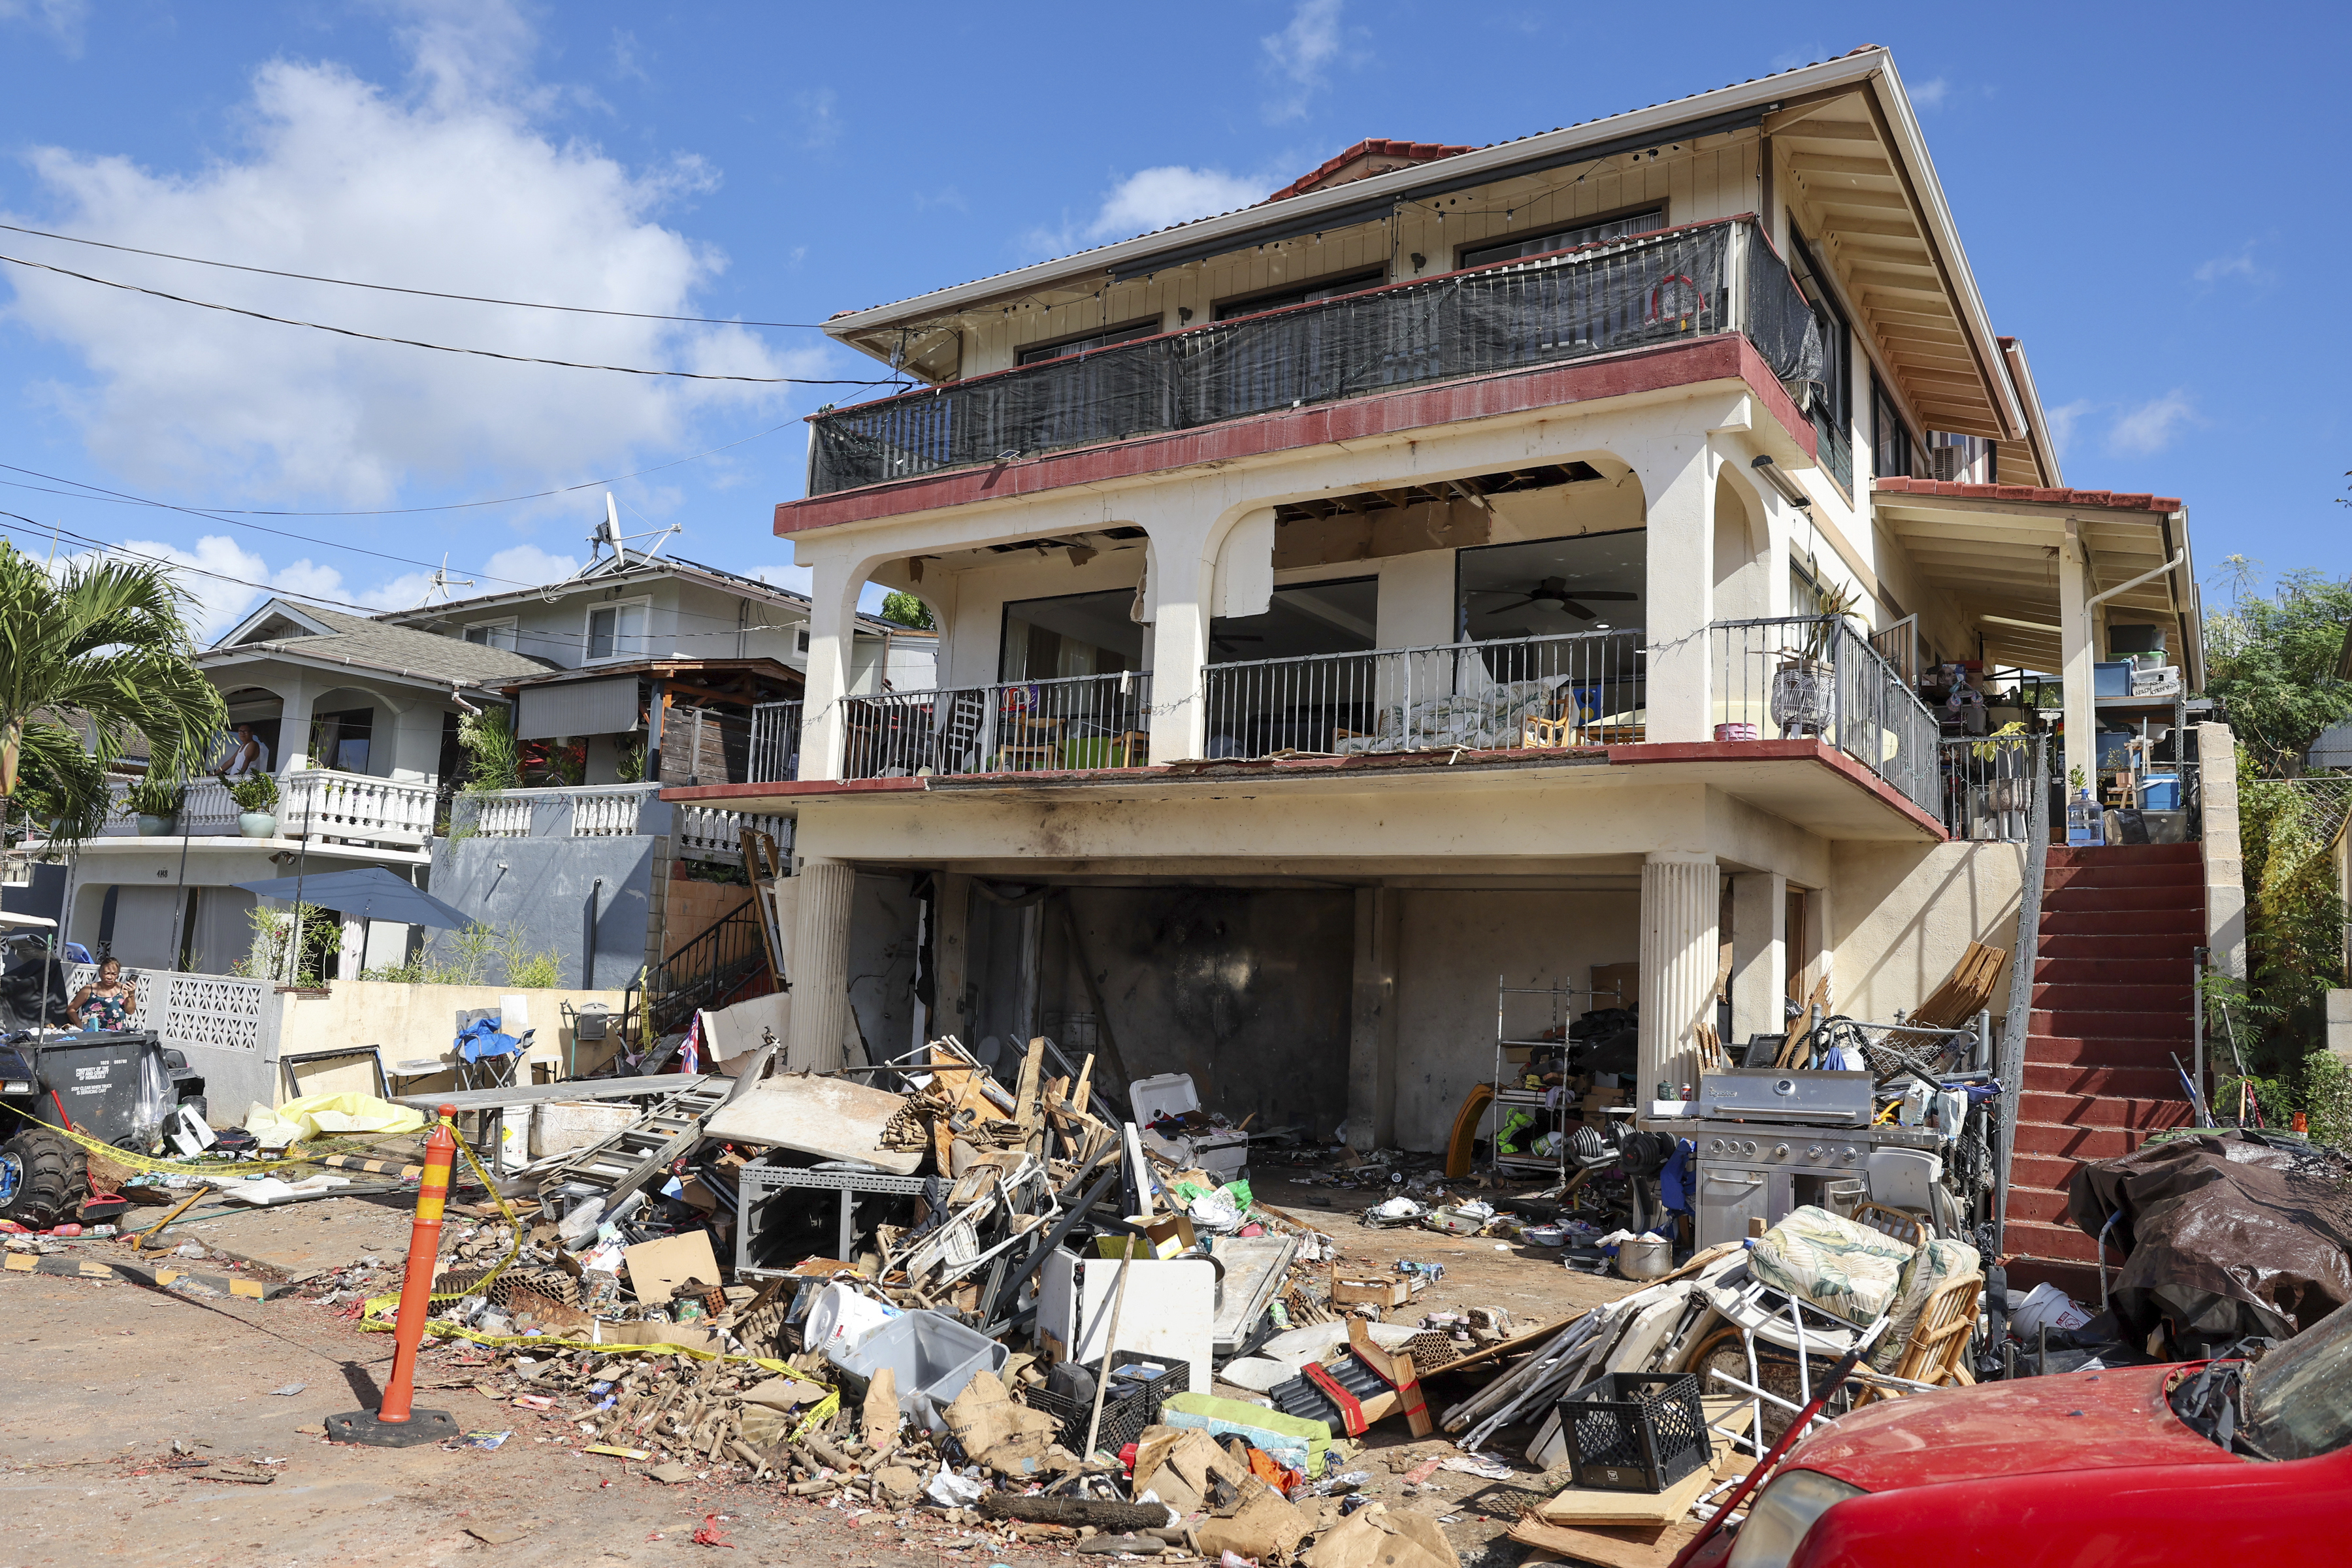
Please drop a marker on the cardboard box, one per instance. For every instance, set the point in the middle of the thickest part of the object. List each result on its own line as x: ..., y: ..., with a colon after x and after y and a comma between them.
x: 656, y: 1269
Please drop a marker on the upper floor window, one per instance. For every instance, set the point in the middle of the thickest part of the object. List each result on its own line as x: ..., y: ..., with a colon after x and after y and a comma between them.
x: 1588, y: 232
x: 619, y: 630
x: 1072, y: 634
x: 493, y: 633
x: 1890, y: 437
x: 1301, y: 294
x: 1101, y: 340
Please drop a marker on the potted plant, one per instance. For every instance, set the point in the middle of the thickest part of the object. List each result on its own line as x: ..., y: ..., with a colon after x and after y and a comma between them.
x: 1804, y: 688
x: 256, y: 803
x: 157, y: 803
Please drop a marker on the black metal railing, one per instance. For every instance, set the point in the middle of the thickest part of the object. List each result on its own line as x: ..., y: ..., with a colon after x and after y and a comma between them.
x: 1582, y: 689
x: 1075, y: 722
x: 1988, y: 787
x: 705, y: 971
x: 1816, y: 677
x: 1677, y: 284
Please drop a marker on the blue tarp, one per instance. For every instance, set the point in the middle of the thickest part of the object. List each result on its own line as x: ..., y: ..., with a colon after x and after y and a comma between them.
x: 481, y: 1038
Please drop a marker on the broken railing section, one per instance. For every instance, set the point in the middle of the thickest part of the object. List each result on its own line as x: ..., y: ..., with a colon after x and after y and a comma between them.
x: 1077, y: 723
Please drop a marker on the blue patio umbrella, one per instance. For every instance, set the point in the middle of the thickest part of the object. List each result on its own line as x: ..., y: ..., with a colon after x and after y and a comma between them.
x: 370, y: 894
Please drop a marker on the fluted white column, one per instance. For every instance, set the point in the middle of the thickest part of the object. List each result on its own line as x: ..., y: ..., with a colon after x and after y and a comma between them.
x: 821, y: 966
x: 1681, y: 897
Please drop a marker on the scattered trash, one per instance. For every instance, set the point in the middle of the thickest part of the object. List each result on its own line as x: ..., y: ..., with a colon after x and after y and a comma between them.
x: 289, y: 1391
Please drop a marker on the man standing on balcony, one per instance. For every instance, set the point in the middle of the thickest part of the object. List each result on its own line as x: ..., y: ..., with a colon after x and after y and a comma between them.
x: 247, y: 756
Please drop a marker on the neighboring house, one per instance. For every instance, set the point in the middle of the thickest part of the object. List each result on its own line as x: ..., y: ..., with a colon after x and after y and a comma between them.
x: 1413, y: 583
x: 359, y: 722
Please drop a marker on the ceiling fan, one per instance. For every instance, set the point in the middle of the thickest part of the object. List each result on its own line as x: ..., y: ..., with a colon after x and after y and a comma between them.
x: 1555, y: 591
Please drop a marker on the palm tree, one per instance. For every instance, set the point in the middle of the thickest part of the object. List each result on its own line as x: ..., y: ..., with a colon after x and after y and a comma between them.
x: 92, y: 656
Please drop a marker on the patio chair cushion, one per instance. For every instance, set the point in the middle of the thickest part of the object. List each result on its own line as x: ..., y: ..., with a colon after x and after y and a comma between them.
x: 1932, y: 1266
x: 1479, y: 720
x: 1841, y: 1267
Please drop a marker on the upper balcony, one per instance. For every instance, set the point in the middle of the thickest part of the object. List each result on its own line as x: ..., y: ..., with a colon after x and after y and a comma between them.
x: 327, y: 809
x: 1678, y: 286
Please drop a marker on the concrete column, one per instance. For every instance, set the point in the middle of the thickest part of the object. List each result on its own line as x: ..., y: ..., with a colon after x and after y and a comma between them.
x: 293, y: 723
x: 1181, y: 575
x: 2076, y: 652
x: 1371, y: 1021
x: 415, y: 756
x: 1681, y: 897
x: 832, y: 622
x: 820, y: 949
x: 951, y: 954
x: 2225, y: 867
x: 1678, y: 486
x: 1759, y: 947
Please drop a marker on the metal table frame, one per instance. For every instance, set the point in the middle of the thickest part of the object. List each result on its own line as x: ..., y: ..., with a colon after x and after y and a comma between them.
x: 755, y: 1183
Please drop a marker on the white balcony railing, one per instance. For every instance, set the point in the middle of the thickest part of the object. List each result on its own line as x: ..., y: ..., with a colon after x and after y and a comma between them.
x: 615, y: 814
x: 503, y: 816
x: 354, y: 808
x: 709, y: 832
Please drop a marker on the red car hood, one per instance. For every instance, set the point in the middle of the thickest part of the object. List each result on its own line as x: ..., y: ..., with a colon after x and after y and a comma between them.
x: 2081, y: 1421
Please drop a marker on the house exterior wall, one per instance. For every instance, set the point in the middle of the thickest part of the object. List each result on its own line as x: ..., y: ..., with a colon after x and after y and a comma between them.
x: 548, y: 887
x: 1902, y: 915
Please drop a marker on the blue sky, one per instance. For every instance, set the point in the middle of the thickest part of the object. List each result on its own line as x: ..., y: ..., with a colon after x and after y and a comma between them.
x: 2147, y: 198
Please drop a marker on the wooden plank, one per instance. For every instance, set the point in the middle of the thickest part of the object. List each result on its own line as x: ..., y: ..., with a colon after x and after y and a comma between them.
x: 1637, y: 1546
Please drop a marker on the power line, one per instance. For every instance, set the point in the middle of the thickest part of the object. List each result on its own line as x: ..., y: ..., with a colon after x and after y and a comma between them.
x: 422, y: 293
x: 447, y: 348
x: 35, y: 529
x: 226, y: 511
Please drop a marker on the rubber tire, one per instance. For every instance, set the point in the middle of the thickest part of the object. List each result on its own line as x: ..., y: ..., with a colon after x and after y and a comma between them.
x: 54, y: 1178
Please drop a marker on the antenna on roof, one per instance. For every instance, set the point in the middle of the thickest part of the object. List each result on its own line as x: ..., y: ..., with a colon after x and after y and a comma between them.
x: 441, y: 584
x: 608, y: 535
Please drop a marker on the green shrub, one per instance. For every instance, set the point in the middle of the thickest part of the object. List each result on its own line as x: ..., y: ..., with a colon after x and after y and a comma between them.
x: 156, y: 795
x: 255, y: 792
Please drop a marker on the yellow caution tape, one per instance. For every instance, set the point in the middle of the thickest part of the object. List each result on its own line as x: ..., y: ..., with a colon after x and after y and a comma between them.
x: 296, y: 1154
x: 376, y: 1319
x: 514, y: 1248
x: 825, y: 1410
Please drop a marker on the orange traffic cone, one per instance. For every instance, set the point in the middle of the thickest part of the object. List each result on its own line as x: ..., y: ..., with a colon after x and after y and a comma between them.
x: 395, y: 1423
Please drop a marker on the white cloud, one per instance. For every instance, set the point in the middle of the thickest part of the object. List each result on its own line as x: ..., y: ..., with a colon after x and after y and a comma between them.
x: 2239, y: 263
x: 64, y: 21
x: 820, y: 120
x: 627, y: 57
x: 2063, y: 420
x: 1301, y: 52
x: 224, y: 582
x: 1154, y: 198
x: 517, y: 566
x: 452, y: 183
x: 2151, y: 427
x: 1931, y: 93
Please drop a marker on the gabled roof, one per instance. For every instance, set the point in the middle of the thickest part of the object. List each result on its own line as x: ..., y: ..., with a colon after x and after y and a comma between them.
x: 636, y: 568
x: 336, y: 637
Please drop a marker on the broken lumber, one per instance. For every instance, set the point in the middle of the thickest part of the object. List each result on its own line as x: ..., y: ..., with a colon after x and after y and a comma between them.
x: 1076, y: 1512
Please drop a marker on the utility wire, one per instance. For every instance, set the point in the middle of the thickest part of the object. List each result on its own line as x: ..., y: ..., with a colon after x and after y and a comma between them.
x: 389, y: 511
x: 447, y: 348
x: 393, y: 289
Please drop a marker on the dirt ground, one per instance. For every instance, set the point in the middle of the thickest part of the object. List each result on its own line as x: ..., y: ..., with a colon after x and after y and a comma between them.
x: 103, y: 1376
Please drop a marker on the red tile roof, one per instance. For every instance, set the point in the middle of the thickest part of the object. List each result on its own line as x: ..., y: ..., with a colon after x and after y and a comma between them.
x: 1371, y: 147
x: 2113, y: 500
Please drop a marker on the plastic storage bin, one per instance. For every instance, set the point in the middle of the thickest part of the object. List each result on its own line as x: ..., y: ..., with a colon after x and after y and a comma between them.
x: 2161, y: 792
x: 931, y: 1356
x: 1132, y: 1403
x: 2111, y: 680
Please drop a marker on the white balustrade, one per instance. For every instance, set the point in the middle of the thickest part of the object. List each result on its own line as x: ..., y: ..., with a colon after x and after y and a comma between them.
x: 711, y: 833
x: 224, y: 1012
x: 600, y: 814
x: 502, y: 815
x: 357, y: 807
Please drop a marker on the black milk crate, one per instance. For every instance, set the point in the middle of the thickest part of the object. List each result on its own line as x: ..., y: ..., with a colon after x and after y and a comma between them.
x: 1124, y: 1415
x: 1634, y: 1431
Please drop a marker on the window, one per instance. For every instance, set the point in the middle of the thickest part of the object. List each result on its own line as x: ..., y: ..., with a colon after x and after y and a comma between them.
x: 1592, y: 583
x: 1307, y: 618
x: 799, y: 640
x: 1961, y: 460
x: 1101, y: 340
x: 1833, y: 405
x: 1075, y: 634
x: 617, y: 631
x: 493, y: 633
x: 1588, y: 232
x: 1890, y: 437
x: 1301, y: 293
x: 340, y: 739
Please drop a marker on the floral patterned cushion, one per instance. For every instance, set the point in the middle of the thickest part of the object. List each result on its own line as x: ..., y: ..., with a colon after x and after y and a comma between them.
x: 1841, y: 1267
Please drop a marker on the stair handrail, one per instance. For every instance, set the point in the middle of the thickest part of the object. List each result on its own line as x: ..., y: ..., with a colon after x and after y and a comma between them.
x: 2025, y: 955
x: 698, y: 969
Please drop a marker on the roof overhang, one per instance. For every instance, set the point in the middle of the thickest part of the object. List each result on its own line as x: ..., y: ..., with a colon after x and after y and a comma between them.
x: 294, y: 654
x: 1997, y: 556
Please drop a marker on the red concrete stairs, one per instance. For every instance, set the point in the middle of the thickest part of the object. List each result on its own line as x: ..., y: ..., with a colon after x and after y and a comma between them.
x: 2112, y: 1003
